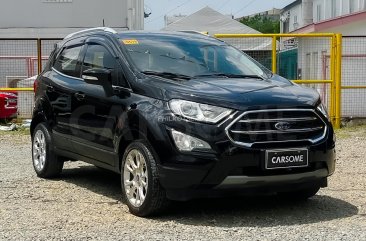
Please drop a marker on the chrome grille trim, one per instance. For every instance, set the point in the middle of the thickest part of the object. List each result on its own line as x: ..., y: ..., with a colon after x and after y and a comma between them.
x: 279, y: 119
x: 276, y: 131
x: 245, y: 144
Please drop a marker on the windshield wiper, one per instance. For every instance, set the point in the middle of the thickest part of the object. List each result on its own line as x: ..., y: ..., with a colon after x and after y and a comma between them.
x: 243, y: 76
x: 168, y: 75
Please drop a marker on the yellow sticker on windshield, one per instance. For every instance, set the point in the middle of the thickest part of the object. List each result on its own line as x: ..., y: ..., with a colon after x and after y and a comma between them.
x: 130, y: 41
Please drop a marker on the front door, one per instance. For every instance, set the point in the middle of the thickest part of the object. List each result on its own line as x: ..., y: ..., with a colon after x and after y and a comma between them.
x: 98, y: 111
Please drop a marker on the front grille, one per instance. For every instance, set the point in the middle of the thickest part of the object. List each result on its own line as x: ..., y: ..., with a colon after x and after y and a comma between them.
x: 275, y: 126
x: 10, y: 103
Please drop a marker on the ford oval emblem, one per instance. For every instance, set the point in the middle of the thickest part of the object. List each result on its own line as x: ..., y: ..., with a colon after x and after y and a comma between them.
x: 282, y: 126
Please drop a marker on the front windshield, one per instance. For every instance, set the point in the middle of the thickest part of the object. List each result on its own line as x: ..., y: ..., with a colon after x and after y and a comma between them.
x: 189, y: 57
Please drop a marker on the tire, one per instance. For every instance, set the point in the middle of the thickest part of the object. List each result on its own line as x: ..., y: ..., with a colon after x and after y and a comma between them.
x: 46, y: 164
x: 151, y: 197
x: 301, y: 194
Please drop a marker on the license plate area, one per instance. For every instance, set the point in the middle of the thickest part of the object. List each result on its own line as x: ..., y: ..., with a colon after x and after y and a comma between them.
x: 286, y: 158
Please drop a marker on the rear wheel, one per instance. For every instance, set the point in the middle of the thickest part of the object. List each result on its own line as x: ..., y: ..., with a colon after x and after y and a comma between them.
x: 141, y: 188
x: 46, y: 164
x: 301, y: 194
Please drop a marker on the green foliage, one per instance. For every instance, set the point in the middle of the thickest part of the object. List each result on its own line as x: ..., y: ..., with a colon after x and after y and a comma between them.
x: 262, y: 24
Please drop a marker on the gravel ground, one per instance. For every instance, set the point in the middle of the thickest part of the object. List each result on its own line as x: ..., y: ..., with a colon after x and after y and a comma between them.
x: 85, y: 204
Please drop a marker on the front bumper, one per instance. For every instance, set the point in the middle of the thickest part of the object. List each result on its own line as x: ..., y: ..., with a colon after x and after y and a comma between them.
x: 241, y: 172
x: 229, y: 162
x: 247, y: 181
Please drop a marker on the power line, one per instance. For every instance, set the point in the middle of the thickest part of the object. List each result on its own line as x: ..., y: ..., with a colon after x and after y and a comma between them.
x: 244, y: 7
x: 179, y: 6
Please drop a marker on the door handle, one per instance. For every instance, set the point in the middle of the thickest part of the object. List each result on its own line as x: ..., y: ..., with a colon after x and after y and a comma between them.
x: 79, y: 96
x: 50, y: 88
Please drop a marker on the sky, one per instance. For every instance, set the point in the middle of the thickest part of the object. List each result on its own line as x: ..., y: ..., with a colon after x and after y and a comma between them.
x: 239, y: 8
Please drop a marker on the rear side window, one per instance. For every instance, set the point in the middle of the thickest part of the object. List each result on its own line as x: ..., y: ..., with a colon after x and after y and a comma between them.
x: 67, y: 62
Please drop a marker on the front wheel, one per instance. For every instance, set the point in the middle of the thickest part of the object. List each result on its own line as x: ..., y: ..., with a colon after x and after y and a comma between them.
x: 46, y: 164
x: 141, y: 188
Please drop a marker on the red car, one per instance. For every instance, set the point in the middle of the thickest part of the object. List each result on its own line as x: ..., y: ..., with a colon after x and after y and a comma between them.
x: 8, y: 105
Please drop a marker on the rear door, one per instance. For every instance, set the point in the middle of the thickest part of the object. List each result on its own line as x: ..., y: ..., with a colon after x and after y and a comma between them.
x: 60, y: 84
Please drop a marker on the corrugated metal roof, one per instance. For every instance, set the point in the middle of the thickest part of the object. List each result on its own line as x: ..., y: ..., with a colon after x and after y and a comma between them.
x: 213, y: 22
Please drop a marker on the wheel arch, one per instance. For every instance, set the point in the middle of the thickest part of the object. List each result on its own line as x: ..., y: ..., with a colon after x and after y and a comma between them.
x: 126, y: 139
x: 131, y: 136
x: 37, y: 118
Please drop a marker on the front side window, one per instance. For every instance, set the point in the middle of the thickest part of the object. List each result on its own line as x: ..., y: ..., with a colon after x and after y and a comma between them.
x: 97, y: 56
x: 193, y: 58
x: 67, y: 61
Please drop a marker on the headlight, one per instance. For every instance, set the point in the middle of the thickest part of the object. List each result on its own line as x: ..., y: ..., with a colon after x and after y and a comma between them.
x: 323, y: 110
x: 186, y: 142
x: 198, y: 112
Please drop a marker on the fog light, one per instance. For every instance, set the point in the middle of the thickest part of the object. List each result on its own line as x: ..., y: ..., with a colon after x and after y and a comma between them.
x: 188, y: 143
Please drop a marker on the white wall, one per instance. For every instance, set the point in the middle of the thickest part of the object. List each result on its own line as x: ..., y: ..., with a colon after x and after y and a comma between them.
x: 325, y: 9
x: 71, y: 13
x: 295, y: 14
x: 342, y: 7
x: 355, y: 28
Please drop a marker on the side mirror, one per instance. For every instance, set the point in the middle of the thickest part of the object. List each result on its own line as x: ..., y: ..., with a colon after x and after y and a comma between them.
x: 97, y: 76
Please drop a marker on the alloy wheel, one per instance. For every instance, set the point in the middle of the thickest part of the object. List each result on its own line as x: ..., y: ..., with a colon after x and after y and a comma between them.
x: 135, y: 178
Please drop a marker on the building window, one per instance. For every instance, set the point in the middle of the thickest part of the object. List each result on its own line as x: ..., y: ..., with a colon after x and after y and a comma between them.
x: 318, y: 12
x: 353, y: 6
x: 296, y: 24
x: 286, y: 26
x: 333, y: 8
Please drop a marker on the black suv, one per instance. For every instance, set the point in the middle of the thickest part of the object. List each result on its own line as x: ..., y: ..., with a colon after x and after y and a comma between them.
x: 179, y: 116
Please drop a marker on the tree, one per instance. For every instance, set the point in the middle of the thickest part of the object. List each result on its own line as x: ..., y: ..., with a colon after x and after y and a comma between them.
x: 262, y: 24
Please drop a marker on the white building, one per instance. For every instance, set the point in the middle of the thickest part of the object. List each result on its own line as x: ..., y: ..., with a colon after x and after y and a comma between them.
x: 57, y: 18
x: 347, y: 17
x: 306, y: 15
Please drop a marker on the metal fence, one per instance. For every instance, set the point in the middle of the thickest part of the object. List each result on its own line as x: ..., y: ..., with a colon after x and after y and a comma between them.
x: 309, y: 59
x: 20, y: 60
x: 354, y: 77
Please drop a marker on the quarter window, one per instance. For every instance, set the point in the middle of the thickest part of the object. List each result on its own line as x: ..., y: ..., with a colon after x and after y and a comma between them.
x: 67, y: 62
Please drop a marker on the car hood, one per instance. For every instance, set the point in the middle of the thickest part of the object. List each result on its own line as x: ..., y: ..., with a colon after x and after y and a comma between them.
x: 241, y: 94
